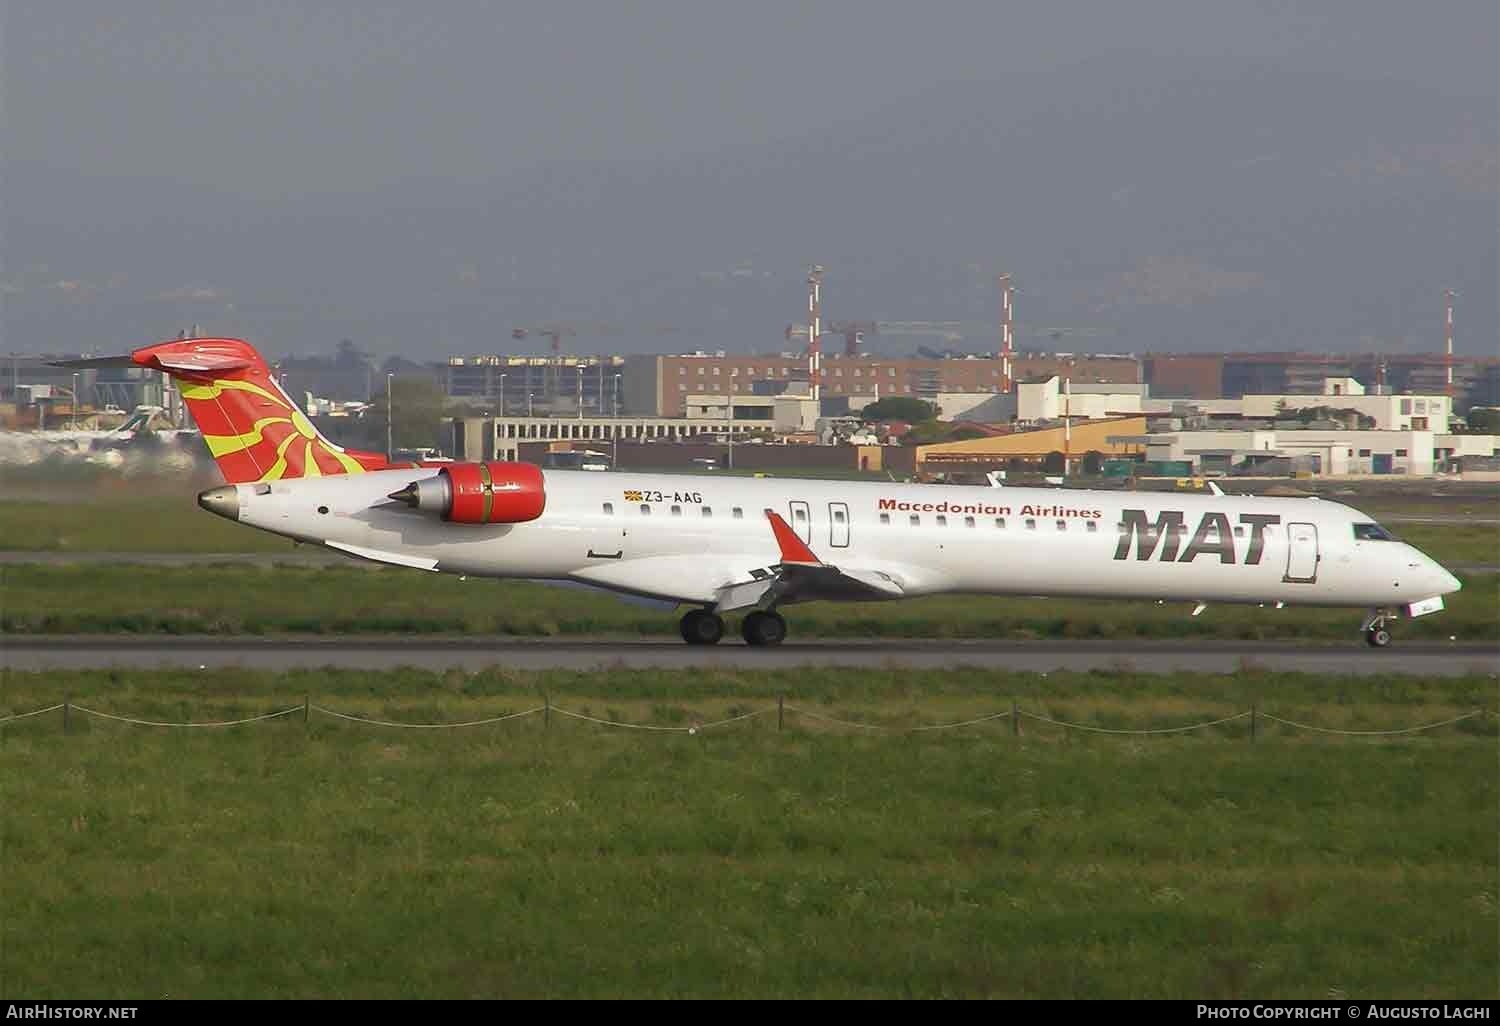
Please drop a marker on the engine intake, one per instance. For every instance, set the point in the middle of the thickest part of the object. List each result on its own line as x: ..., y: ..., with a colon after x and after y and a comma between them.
x: 480, y: 493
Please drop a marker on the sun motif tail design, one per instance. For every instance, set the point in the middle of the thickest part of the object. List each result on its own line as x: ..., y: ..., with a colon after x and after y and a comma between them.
x: 253, y: 430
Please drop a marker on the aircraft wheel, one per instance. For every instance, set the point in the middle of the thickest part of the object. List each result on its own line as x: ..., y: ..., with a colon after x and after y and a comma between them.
x: 700, y: 627
x: 764, y: 629
x: 1377, y: 637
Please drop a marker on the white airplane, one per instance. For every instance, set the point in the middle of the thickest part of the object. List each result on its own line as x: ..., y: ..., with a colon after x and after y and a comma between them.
x: 725, y: 544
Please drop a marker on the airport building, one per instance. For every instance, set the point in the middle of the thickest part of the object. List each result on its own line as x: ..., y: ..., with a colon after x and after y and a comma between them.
x: 1476, y: 380
x: 1280, y: 452
x: 660, y: 385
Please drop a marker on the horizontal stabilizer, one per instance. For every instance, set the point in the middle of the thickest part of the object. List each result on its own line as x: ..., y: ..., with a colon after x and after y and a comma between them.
x: 200, y: 363
x: 94, y: 361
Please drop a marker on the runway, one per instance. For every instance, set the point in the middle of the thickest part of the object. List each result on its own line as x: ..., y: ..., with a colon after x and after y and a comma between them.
x: 1353, y: 658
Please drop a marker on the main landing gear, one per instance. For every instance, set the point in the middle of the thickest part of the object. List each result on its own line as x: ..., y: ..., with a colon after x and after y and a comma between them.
x: 764, y: 628
x: 703, y: 627
x: 1377, y: 635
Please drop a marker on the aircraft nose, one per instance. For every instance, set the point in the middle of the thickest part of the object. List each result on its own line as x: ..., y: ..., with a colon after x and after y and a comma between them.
x: 1450, y: 583
x: 223, y: 501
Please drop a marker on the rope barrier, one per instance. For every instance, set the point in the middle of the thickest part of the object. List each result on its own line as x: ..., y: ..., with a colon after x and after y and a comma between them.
x: 34, y: 712
x: 1159, y: 730
x: 155, y: 723
x: 829, y: 719
x: 732, y: 719
x: 427, y: 726
x: 1374, y: 733
x: 745, y: 716
x: 631, y: 726
x: 964, y: 723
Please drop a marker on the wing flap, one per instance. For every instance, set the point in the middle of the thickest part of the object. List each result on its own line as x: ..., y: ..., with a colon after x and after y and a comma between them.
x: 381, y: 556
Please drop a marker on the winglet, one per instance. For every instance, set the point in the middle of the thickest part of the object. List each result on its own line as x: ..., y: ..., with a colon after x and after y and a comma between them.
x: 793, y: 549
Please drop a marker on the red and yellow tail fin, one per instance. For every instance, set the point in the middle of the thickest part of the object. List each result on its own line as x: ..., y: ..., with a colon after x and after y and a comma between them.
x: 253, y: 430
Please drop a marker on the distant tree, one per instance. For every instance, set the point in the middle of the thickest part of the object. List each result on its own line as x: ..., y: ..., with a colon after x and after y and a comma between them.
x: 419, y: 410
x: 1484, y: 420
x: 1054, y: 463
x: 926, y: 433
x: 349, y: 356
x: 964, y: 432
x: 898, y: 407
x: 1093, y: 462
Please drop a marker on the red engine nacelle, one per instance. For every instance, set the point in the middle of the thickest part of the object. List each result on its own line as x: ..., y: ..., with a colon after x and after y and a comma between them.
x: 480, y: 493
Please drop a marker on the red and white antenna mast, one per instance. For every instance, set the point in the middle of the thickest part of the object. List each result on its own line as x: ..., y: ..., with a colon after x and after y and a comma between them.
x: 814, y: 329
x: 1007, y: 324
x: 1448, y: 294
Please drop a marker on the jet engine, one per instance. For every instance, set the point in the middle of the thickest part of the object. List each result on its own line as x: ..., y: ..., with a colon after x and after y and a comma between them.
x: 479, y: 493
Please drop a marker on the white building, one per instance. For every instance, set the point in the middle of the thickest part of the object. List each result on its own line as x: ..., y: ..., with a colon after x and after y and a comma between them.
x: 1389, y: 412
x: 1050, y: 399
x: 1325, y: 452
x: 783, y: 413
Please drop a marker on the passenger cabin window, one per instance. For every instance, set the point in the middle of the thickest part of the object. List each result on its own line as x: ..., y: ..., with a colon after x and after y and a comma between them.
x: 1030, y: 524
x: 1000, y: 523
x: 1062, y: 525
x: 799, y: 514
x: 738, y: 513
x: 1372, y: 532
x: 838, y: 516
x: 885, y: 518
x: 1239, y: 532
x: 707, y: 511
x: 916, y: 521
x: 609, y: 509
x: 677, y: 511
x: 968, y: 521
x: 645, y: 510
x: 1093, y: 527
x: 942, y: 521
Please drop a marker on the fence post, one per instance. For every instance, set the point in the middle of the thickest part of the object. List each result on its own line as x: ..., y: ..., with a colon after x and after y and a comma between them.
x: 67, y: 714
x: 1015, y: 720
x: 780, y: 712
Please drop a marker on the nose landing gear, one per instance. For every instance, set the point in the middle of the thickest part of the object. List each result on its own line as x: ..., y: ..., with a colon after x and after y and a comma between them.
x: 1374, y: 628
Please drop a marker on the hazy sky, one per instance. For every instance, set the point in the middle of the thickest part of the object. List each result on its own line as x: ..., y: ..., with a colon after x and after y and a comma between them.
x: 143, y: 140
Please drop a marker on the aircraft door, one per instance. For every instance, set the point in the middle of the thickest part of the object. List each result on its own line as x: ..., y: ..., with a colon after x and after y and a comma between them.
x: 1302, y: 553
x: 606, y: 536
x: 838, y: 525
x: 801, y: 520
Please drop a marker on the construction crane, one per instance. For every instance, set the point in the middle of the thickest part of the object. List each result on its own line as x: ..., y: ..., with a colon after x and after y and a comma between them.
x: 554, y: 334
x: 949, y: 331
x: 854, y: 333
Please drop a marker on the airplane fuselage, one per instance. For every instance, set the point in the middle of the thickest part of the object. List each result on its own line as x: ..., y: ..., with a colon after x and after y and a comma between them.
x: 685, y: 538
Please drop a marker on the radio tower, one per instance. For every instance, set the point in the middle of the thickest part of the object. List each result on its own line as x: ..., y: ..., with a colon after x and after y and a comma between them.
x: 1007, y: 323
x: 1448, y: 294
x: 814, y: 329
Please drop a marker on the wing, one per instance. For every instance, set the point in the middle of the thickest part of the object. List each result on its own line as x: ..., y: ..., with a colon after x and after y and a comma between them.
x: 802, y: 577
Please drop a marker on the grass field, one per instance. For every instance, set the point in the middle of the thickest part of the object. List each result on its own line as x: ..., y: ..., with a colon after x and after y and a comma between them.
x: 119, y: 522
x: 334, y: 860
x: 224, y: 599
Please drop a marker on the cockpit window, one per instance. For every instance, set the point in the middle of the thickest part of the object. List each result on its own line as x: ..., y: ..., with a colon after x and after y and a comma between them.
x: 1372, y: 532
